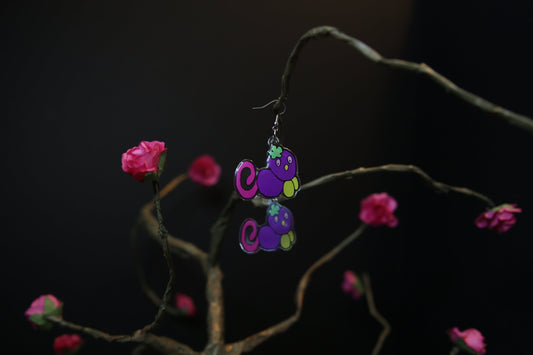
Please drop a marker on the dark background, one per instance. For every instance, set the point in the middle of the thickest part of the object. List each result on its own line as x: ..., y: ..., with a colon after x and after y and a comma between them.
x: 84, y: 81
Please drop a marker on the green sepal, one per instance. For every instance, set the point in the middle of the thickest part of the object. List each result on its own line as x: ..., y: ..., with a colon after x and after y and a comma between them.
x: 39, y: 320
x: 462, y: 345
x: 162, y: 162
x: 50, y: 309
x: 160, y: 168
x: 359, y: 287
x: 149, y: 177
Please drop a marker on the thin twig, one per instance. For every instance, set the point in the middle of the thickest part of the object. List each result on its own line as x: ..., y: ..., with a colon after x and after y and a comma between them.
x: 163, y: 344
x: 149, y: 222
x: 172, y: 185
x: 162, y: 233
x: 147, y: 290
x: 439, y: 186
x: 254, y: 340
x: 218, y: 230
x: 516, y: 119
x: 374, y: 312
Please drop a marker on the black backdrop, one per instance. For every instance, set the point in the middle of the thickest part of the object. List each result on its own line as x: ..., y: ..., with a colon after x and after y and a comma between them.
x: 84, y: 81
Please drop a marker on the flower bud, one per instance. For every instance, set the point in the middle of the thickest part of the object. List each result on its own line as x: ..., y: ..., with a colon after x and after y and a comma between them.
x: 470, y: 340
x: 500, y: 218
x: 205, y: 171
x: 145, y: 162
x: 352, y: 285
x: 67, y: 344
x: 185, y: 304
x: 45, y: 305
x: 378, y: 209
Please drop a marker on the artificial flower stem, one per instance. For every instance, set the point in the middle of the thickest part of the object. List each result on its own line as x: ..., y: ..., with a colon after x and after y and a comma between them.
x: 455, y: 350
x: 167, y: 296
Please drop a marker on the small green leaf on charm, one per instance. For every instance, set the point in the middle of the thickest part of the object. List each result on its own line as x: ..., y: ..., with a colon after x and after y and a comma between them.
x: 275, y: 152
x: 273, y: 210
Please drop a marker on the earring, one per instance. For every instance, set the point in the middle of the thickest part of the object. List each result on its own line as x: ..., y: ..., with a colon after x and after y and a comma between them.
x: 278, y: 178
x: 276, y: 233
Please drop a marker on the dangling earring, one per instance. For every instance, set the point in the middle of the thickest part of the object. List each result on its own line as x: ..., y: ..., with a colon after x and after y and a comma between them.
x: 278, y: 178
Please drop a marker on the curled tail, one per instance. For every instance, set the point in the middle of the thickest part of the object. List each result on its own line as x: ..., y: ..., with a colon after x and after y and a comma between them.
x: 249, y: 243
x: 250, y: 189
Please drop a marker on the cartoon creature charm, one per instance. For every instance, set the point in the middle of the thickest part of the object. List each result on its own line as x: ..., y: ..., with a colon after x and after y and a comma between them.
x: 276, y: 233
x: 279, y: 177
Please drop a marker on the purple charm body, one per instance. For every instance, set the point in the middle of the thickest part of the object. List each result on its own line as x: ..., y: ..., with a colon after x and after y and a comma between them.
x: 279, y: 177
x: 276, y: 233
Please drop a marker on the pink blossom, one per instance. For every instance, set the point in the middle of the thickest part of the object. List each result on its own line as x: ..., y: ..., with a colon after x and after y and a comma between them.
x: 377, y: 209
x: 470, y: 340
x: 67, y: 344
x: 204, y: 170
x: 500, y: 218
x: 145, y: 161
x: 352, y: 285
x: 185, y: 304
x: 42, y: 306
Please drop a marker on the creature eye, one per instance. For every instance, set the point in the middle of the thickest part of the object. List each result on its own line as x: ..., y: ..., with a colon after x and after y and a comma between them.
x: 276, y: 219
x: 278, y: 162
x: 286, y: 215
x: 289, y: 159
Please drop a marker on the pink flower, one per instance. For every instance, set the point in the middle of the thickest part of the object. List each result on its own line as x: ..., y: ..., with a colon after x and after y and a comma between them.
x: 470, y: 340
x: 67, y: 344
x: 204, y: 170
x: 500, y: 218
x: 352, y: 285
x: 377, y: 209
x: 185, y: 304
x: 146, y: 161
x: 45, y: 305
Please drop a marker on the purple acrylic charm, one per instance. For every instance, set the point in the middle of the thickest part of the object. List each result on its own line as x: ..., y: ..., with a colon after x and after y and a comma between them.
x: 276, y: 233
x: 279, y: 177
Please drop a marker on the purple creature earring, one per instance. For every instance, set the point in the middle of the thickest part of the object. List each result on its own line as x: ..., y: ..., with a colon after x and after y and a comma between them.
x: 276, y: 233
x: 278, y: 178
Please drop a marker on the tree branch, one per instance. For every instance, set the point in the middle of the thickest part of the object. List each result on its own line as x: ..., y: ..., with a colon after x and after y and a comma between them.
x: 162, y: 344
x: 147, y: 290
x: 214, y: 291
x: 162, y: 233
x: 374, y: 312
x: 150, y: 224
x: 516, y: 119
x: 218, y: 230
x: 438, y: 186
x: 254, y: 340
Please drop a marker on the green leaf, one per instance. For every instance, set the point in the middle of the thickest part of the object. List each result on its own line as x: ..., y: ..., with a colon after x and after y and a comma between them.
x: 273, y: 210
x: 275, y: 152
